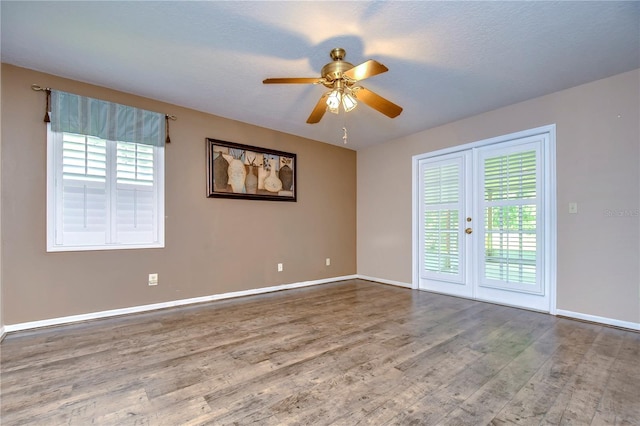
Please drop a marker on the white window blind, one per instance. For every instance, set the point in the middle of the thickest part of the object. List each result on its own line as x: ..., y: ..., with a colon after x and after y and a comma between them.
x: 442, y: 207
x: 510, y: 215
x: 103, y: 194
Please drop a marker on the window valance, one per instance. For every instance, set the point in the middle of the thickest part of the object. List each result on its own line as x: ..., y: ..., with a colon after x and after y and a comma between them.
x: 106, y: 120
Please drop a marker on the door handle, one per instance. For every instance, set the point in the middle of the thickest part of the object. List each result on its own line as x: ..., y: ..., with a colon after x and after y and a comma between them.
x: 468, y: 230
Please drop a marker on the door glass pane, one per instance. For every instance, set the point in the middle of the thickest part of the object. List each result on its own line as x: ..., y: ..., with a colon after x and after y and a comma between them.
x: 510, y: 243
x: 510, y: 177
x: 441, y: 241
x: 441, y: 184
x: 510, y: 218
x: 441, y: 198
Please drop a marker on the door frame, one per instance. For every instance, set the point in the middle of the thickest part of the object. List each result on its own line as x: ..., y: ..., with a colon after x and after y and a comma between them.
x: 549, y: 173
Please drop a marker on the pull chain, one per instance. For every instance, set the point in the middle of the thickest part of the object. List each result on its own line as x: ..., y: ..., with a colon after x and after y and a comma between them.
x: 344, y: 129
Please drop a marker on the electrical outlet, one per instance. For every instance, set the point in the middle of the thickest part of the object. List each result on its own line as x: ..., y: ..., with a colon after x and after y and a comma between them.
x: 153, y: 279
x: 279, y: 267
x: 328, y: 261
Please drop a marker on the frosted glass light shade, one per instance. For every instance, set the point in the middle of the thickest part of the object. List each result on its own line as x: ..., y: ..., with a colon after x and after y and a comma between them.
x: 333, y: 101
x: 348, y: 102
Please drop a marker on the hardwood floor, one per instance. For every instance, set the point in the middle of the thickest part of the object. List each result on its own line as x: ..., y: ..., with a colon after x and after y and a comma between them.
x: 346, y: 353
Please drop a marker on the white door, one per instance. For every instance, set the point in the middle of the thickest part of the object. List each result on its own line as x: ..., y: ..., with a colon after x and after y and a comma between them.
x: 444, y: 185
x: 482, y: 215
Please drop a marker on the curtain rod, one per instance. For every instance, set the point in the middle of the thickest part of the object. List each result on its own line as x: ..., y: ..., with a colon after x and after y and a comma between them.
x: 39, y: 88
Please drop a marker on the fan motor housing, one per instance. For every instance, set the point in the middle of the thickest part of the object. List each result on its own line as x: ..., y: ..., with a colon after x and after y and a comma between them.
x: 333, y: 70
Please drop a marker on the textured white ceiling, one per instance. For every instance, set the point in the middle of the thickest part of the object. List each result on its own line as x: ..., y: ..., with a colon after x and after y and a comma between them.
x: 446, y: 60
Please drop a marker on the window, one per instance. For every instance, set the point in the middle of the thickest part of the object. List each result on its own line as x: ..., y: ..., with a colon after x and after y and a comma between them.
x: 103, y: 193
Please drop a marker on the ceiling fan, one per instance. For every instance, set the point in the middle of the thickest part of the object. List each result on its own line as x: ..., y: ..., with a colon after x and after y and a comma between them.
x: 342, y: 78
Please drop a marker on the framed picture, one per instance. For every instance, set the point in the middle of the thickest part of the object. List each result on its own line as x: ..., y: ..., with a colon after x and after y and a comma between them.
x: 249, y: 172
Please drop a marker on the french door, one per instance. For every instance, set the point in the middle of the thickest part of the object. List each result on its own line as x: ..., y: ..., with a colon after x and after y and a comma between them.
x: 482, y: 223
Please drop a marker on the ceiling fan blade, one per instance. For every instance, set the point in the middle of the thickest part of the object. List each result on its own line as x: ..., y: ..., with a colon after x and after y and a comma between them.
x: 291, y: 80
x: 377, y: 102
x: 365, y: 70
x: 318, y: 111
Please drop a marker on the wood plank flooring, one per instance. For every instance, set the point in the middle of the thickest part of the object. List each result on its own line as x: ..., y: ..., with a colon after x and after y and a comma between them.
x: 348, y: 353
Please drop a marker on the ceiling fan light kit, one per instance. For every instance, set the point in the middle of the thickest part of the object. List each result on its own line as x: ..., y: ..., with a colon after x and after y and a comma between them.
x: 340, y: 95
x: 341, y: 77
x: 333, y: 100
x: 348, y: 100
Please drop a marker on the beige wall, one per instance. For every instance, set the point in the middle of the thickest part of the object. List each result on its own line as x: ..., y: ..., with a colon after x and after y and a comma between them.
x: 598, y: 152
x: 213, y: 246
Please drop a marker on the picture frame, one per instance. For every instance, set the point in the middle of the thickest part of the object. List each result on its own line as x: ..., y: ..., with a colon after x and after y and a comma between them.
x: 248, y: 172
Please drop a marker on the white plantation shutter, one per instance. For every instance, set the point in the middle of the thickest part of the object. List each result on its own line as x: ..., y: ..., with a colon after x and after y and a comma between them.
x: 135, y: 218
x: 511, y: 202
x: 104, y: 194
x: 134, y: 163
x: 442, y: 210
x: 82, y: 190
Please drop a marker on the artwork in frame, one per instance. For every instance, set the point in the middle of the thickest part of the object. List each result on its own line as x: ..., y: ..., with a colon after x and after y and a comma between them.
x: 248, y: 172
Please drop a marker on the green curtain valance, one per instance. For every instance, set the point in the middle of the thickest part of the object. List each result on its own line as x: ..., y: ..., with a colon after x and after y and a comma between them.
x: 106, y: 120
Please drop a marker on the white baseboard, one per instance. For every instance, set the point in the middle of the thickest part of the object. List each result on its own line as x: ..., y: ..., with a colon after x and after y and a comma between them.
x: 385, y: 281
x: 601, y: 320
x: 143, y: 308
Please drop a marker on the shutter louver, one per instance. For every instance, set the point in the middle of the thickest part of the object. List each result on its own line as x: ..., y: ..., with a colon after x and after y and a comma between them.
x: 135, y: 164
x: 135, y: 216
